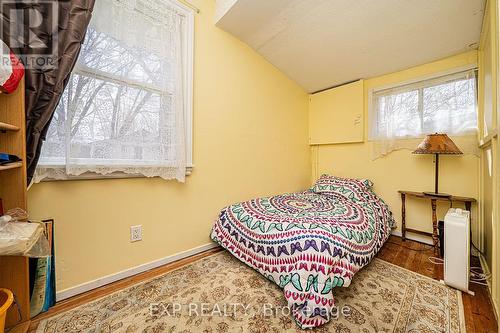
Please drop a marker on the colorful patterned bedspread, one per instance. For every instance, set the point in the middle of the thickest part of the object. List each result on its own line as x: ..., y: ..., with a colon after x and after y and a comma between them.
x: 307, y: 243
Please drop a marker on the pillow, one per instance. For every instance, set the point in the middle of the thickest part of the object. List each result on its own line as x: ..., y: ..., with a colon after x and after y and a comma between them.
x: 354, y: 189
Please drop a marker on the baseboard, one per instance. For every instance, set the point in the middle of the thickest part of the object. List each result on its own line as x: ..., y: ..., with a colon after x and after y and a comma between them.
x: 486, y: 270
x: 414, y: 237
x: 84, y: 287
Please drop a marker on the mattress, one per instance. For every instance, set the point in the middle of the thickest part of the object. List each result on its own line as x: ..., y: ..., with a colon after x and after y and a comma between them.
x: 307, y: 243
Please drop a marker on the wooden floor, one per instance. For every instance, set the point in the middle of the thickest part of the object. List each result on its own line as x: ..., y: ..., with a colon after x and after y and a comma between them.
x: 479, y: 315
x: 78, y: 300
x: 478, y: 309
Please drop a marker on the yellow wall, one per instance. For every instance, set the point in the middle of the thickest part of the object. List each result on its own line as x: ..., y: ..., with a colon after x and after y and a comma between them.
x: 250, y: 140
x: 401, y: 170
x: 337, y: 108
x: 486, y: 204
x: 496, y: 148
x: 490, y: 158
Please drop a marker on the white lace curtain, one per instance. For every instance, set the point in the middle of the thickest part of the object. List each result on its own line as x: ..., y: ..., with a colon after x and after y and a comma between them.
x: 401, y: 116
x: 123, y: 107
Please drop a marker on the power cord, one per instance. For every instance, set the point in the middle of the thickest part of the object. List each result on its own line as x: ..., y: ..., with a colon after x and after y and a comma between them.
x: 478, y: 276
x: 436, y: 260
x: 477, y: 249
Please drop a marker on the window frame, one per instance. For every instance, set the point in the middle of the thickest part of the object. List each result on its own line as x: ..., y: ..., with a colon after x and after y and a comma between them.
x: 424, y: 81
x: 188, y: 81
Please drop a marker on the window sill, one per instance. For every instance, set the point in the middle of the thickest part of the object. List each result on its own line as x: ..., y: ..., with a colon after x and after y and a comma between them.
x: 114, y: 175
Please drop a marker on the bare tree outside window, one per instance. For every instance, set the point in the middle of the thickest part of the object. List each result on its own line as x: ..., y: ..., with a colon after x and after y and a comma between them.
x: 123, y: 107
x: 444, y: 105
x: 107, y: 114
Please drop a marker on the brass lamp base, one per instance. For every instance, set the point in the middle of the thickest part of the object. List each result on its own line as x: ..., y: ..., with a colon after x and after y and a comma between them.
x: 441, y: 195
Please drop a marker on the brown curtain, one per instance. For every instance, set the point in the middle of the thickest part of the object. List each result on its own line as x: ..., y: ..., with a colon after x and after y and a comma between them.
x: 47, y: 36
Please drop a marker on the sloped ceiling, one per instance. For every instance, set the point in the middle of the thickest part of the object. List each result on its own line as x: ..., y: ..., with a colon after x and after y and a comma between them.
x: 323, y: 43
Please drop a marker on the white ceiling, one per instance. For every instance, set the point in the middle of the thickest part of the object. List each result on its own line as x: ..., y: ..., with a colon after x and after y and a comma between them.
x: 323, y: 43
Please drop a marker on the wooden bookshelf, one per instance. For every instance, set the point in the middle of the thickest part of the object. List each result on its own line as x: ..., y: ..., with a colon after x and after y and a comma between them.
x: 14, y: 271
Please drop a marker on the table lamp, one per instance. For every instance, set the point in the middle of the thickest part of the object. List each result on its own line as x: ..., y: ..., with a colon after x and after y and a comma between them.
x: 437, y: 144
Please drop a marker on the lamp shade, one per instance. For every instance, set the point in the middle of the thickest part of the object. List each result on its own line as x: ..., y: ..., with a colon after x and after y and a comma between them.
x: 437, y: 144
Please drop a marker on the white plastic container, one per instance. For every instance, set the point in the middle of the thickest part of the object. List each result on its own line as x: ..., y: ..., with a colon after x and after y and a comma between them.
x: 457, y: 248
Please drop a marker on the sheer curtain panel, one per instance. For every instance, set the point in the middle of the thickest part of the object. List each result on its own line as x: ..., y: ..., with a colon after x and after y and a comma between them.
x: 124, y: 108
x: 400, y: 116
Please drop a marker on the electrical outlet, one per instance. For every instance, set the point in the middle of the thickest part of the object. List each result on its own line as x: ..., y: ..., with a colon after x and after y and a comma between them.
x: 135, y: 233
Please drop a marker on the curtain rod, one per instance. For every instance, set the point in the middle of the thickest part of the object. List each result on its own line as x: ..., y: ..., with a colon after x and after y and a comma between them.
x: 188, y: 4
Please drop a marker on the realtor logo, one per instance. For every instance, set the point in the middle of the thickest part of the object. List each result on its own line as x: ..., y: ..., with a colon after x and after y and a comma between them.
x: 30, y: 29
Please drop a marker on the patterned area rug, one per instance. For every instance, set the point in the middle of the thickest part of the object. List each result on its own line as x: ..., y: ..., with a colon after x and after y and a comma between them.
x: 219, y: 294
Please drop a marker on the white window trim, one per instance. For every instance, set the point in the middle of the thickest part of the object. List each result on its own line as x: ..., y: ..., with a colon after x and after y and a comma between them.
x: 372, y: 114
x: 188, y: 58
x: 103, y: 76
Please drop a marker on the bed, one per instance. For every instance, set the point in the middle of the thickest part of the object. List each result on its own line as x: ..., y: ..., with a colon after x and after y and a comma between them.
x: 310, y: 242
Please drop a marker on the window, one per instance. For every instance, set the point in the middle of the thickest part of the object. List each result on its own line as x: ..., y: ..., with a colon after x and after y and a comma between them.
x: 446, y: 104
x: 127, y: 105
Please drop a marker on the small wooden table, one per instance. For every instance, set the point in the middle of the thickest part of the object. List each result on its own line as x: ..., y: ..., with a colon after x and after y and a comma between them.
x: 435, y: 240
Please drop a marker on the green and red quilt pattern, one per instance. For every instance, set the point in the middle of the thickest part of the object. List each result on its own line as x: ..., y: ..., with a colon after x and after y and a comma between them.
x: 308, y: 243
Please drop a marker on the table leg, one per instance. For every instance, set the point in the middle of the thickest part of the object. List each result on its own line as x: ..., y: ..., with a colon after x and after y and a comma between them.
x: 403, y: 216
x: 435, y: 239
